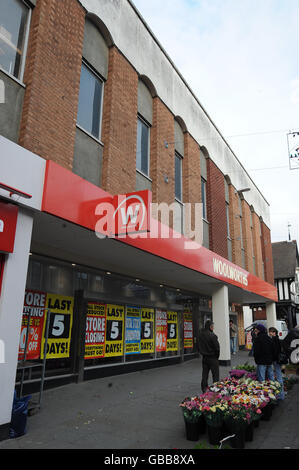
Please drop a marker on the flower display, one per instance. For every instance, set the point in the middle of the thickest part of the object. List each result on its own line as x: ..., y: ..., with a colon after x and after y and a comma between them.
x: 191, y: 409
x: 213, y: 406
x: 237, y: 400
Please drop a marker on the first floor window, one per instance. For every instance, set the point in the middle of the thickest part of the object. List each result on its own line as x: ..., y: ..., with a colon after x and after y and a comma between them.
x: 142, y: 156
x: 14, y: 17
x: 90, y: 102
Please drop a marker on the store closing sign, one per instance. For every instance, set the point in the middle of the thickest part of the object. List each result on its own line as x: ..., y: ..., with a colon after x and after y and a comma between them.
x: 115, y: 315
x: 147, y: 330
x: 95, y: 330
x: 133, y: 330
x: 60, y: 326
x: 161, y: 330
x: 188, y: 330
x: 172, y: 331
x: 34, y: 307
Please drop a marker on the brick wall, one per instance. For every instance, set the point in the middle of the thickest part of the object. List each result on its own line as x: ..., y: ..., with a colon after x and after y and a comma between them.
x: 119, y: 125
x: 191, y: 174
x: 267, y: 254
x: 235, y: 226
x: 162, y: 158
x: 257, y: 245
x: 216, y: 209
x: 52, y: 78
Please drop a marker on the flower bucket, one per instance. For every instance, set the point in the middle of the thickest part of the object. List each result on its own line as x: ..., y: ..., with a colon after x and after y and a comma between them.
x: 215, y: 434
x: 238, y: 442
x: 256, y: 423
x: 192, y: 431
x: 249, y: 432
x: 201, y: 425
x: 266, y: 413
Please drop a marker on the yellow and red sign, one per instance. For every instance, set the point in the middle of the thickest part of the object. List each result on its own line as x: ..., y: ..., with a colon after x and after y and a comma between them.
x: 95, y: 330
x: 115, y: 315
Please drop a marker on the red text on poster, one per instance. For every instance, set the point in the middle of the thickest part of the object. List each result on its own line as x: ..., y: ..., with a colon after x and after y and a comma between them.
x: 161, y: 330
x: 34, y: 306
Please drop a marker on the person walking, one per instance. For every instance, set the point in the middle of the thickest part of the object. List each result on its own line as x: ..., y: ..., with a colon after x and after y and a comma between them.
x: 273, y: 333
x: 253, y: 336
x: 233, y: 337
x: 263, y: 353
x: 209, y: 348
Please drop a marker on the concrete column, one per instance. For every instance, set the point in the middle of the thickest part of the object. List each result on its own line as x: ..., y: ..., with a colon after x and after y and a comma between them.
x: 271, y: 314
x: 11, y: 310
x: 220, y: 306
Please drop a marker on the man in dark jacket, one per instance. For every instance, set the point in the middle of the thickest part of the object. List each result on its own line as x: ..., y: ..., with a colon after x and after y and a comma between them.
x: 209, y: 348
x: 263, y: 353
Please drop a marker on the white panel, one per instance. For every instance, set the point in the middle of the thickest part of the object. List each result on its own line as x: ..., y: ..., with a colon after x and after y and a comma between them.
x: 280, y: 290
x: 11, y: 309
x: 221, y: 319
x: 22, y: 170
x: 286, y: 290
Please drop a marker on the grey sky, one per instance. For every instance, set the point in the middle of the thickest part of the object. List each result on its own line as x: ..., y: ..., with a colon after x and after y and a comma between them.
x: 240, y: 57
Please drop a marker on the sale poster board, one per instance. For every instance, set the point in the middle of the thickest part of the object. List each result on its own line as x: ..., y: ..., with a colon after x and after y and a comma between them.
x: 60, y: 326
x: 147, y: 330
x: 95, y: 330
x: 133, y: 330
x: 115, y: 315
x: 34, y: 307
x: 188, y: 331
x: 172, y: 331
x: 161, y: 330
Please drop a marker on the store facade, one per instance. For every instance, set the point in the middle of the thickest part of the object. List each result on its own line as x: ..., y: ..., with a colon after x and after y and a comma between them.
x: 114, y: 304
x: 108, y: 117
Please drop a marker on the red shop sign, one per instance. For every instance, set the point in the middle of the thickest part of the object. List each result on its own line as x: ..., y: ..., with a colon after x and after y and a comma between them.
x: 8, y: 223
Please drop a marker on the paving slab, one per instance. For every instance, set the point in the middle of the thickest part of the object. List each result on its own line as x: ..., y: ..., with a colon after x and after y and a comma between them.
x: 140, y: 410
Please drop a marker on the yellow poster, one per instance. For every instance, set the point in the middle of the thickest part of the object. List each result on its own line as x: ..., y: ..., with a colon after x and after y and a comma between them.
x: 60, y: 326
x: 188, y: 330
x: 172, y: 331
x: 147, y: 330
x: 115, y: 315
x: 95, y: 330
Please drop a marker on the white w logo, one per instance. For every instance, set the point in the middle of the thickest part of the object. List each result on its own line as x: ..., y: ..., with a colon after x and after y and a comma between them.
x: 126, y: 216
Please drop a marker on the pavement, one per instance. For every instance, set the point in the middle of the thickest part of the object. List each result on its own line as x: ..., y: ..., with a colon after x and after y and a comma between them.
x: 140, y: 410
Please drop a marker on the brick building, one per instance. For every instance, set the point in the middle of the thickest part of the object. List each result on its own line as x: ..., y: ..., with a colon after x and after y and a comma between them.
x: 93, y: 107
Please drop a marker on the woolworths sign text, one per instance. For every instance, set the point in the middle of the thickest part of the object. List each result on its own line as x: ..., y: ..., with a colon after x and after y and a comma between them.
x: 230, y: 272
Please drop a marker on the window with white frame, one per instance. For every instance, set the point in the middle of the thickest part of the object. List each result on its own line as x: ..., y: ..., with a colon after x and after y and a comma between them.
x: 90, y: 101
x: 142, y: 149
x: 14, y: 22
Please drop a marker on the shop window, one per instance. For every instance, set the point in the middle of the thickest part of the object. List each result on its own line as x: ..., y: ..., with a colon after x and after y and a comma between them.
x: 90, y: 102
x: 143, y: 139
x: 14, y: 21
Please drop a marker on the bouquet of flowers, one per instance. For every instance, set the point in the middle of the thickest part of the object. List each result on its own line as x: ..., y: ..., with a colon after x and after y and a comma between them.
x: 237, y: 415
x: 213, y: 406
x: 191, y: 409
